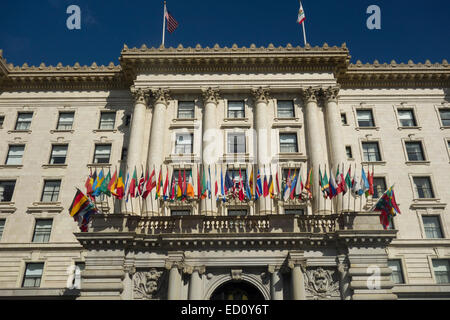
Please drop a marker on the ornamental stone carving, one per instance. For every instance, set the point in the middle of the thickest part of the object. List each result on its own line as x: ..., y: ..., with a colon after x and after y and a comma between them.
x: 149, y: 285
x: 321, y: 283
x: 161, y: 95
x: 261, y: 95
x: 211, y: 95
x: 331, y: 93
x: 310, y: 94
x: 140, y: 95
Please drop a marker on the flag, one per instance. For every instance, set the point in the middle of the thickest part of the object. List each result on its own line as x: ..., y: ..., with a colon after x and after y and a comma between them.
x: 271, y: 188
x: 241, y: 187
x: 93, y: 181
x: 209, y: 182
x: 287, y: 186
x: 388, y: 207
x: 173, y: 191
x: 159, y: 185
x: 222, y: 186
x: 179, y: 186
x: 348, y: 179
x: 190, y: 187
x: 324, y: 184
x: 342, y: 181
x: 133, y: 184
x: 151, y: 183
x: 338, y: 181
x: 104, y: 186
x: 172, y: 24
x: 293, y: 186
x: 308, y: 183
x: 120, y: 187
x: 250, y: 183
x: 165, y: 190
x: 356, y: 184
x: 301, y: 15
x: 184, y: 185
x: 259, y: 190
x: 140, y: 185
x: 228, y: 182
x: 204, y: 190
x: 278, y: 183
x: 78, y: 203
x: 370, y: 178
x: 216, y: 187
x: 88, y: 184
x: 265, y: 187
x: 97, y: 184
x: 248, y: 190
x: 199, y: 184
x: 333, y: 186
x: 81, y: 210
x: 112, y: 184
x: 298, y: 186
x: 127, y: 186
x: 364, y: 183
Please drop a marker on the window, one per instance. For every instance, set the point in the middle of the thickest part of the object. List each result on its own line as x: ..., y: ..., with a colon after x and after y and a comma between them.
x: 236, y: 142
x: 102, y: 153
x: 65, y: 121
x: 51, y: 191
x: 24, y: 121
x: 414, y: 151
x: 288, y: 143
x: 42, y: 231
x: 441, y: 271
x: 6, y: 190
x: 371, y: 152
x: 343, y: 118
x: 423, y: 187
x: 178, y: 213
x: 365, y: 118
x: 2, y: 120
x: 299, y: 212
x: 348, y: 151
x: 379, y: 187
x: 33, y: 275
x: 432, y: 227
x: 406, y: 118
x: 2, y: 227
x: 237, y: 212
x: 234, y: 176
x: 107, y: 120
x: 15, y: 155
x: 188, y: 173
x: 59, y: 153
x: 397, y: 274
x: 285, y: 109
x: 236, y: 109
x: 445, y: 117
x: 186, y: 110
x: 184, y: 143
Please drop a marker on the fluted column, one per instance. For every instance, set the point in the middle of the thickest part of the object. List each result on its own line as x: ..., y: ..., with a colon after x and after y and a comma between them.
x: 261, y: 98
x: 209, y: 142
x: 174, y: 288
x: 335, y: 141
x: 195, y: 282
x: 297, y: 267
x: 156, y: 147
x: 314, y: 144
x: 276, y: 283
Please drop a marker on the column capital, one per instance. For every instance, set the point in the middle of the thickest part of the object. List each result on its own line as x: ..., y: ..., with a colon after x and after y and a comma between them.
x: 211, y: 95
x: 274, y: 268
x: 331, y: 93
x: 191, y: 269
x: 174, y: 264
x: 140, y: 95
x: 310, y: 94
x: 261, y: 94
x: 161, y: 95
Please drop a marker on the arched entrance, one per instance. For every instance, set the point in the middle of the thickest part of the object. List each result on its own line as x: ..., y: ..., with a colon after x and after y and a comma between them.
x: 237, y: 290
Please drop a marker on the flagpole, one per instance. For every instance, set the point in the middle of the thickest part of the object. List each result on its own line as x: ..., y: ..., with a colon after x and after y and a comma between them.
x: 304, y: 32
x: 164, y: 24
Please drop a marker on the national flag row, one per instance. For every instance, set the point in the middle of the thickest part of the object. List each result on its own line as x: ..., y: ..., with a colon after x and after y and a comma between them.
x: 82, y: 209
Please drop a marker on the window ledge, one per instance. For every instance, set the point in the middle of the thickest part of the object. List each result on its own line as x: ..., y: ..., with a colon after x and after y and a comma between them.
x: 11, y: 166
x: 182, y: 158
x: 104, y: 130
x: 381, y: 163
x: 20, y: 131
x: 287, y: 124
x: 235, y: 119
x: 367, y: 128
x: 99, y: 165
x: 185, y: 124
x: 427, y: 203
x: 61, y: 131
x: 244, y: 157
x: 185, y: 119
x: 445, y: 127
x: 408, y: 128
x: 60, y: 166
x: 411, y: 163
x: 7, y: 207
x: 50, y: 207
x: 292, y: 156
x: 235, y: 125
x: 286, y: 119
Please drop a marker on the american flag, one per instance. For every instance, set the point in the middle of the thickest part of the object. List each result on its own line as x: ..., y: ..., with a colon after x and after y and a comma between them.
x: 172, y: 24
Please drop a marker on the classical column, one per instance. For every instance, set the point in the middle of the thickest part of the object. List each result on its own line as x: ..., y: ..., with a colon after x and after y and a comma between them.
x: 297, y: 264
x: 155, y: 155
x: 314, y: 144
x: 261, y: 98
x: 276, y: 283
x: 195, y: 282
x: 335, y: 141
x: 209, y: 142
x: 174, y: 289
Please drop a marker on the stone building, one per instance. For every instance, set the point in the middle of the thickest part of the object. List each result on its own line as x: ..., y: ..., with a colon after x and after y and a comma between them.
x: 269, y: 108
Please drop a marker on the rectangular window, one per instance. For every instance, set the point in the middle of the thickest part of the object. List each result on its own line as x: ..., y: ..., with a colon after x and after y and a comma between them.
x: 234, y: 175
x: 432, y: 227
x: 178, y: 213
x: 102, y: 153
x: 348, y: 151
x: 2, y: 120
x: 65, y: 121
x: 236, y: 109
x: 414, y: 151
x: 236, y: 142
x: 343, y: 118
x: 288, y: 143
x: 299, y: 212
x: 186, y: 110
x: 2, y: 227
x: 184, y: 143
x: 365, y: 118
x: 441, y: 271
x: 33, y: 275
x: 181, y: 171
x: 59, y: 154
x: 15, y: 155
x: 51, y: 191
x: 406, y: 117
x: 445, y: 117
x: 107, y: 120
x: 371, y: 152
x: 423, y: 188
x: 6, y: 190
x: 24, y: 121
x: 379, y: 187
x: 236, y: 212
x: 285, y: 109
x: 397, y: 274
x: 42, y: 230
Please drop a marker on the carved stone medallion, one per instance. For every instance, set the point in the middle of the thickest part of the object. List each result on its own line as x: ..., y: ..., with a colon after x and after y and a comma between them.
x: 321, y: 283
x: 149, y: 285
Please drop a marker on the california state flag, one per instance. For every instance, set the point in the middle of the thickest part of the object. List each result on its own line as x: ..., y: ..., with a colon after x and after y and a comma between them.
x: 301, y: 14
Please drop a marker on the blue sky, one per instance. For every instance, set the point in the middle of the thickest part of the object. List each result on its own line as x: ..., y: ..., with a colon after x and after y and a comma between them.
x: 35, y: 31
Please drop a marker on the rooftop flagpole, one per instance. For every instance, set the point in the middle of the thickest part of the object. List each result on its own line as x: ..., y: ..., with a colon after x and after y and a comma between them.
x: 301, y: 20
x: 164, y: 24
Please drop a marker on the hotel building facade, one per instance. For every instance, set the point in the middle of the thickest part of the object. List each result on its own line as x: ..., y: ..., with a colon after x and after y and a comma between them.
x: 276, y: 109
